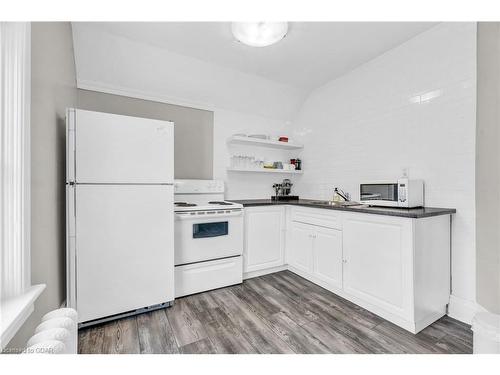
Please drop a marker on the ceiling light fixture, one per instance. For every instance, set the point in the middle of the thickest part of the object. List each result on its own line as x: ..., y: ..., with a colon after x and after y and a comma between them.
x: 259, y: 34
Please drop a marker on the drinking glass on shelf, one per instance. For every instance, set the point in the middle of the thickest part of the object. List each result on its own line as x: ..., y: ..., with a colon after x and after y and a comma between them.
x: 251, y: 162
x: 237, y: 161
x: 259, y: 162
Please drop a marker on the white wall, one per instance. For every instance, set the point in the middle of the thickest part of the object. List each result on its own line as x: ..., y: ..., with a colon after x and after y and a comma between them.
x: 488, y: 166
x: 53, y: 88
x: 412, y: 107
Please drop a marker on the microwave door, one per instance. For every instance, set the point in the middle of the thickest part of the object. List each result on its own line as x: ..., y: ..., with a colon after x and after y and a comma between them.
x: 385, y: 194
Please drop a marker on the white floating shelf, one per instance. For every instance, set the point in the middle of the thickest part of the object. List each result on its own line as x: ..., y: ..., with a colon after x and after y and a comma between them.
x: 264, y: 170
x: 235, y: 139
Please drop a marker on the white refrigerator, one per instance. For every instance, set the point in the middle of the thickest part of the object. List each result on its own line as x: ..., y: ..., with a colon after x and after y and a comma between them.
x: 120, y: 220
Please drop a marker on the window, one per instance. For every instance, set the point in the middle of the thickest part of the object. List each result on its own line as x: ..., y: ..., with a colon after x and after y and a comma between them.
x: 17, y: 294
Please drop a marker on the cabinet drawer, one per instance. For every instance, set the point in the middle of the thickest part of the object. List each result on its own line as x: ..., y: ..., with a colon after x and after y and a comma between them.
x: 199, y: 277
x: 317, y: 216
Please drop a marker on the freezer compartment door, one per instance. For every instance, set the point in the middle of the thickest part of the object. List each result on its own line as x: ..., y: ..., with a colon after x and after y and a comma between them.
x: 124, y: 248
x: 122, y: 149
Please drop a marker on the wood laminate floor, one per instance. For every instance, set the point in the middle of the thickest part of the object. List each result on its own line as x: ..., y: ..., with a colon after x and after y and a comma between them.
x: 277, y: 313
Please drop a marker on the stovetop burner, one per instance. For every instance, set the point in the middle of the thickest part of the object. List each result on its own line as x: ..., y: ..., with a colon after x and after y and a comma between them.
x: 222, y: 203
x: 184, y: 204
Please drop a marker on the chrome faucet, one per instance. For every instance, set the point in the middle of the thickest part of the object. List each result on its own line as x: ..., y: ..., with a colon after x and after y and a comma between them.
x: 345, y: 196
x: 277, y: 189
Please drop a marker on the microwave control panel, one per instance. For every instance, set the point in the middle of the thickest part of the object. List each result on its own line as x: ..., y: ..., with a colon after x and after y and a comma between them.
x: 402, y: 192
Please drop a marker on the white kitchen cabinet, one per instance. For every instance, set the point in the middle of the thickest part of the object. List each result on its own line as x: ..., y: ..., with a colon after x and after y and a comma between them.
x: 300, y: 250
x: 264, y: 239
x: 398, y: 268
x: 378, y: 261
x: 315, y: 251
x: 395, y: 267
x: 327, y: 256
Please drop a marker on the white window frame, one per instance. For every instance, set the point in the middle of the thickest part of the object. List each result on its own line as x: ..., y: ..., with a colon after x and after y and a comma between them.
x: 17, y: 295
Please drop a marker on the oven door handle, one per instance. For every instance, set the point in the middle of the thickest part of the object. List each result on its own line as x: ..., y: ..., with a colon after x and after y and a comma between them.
x: 197, y: 216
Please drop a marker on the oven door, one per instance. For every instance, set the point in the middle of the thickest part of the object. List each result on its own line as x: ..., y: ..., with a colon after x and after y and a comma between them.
x: 379, y: 194
x: 206, y: 235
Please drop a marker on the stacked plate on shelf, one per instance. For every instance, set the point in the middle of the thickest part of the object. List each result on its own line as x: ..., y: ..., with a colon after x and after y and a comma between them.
x: 259, y: 136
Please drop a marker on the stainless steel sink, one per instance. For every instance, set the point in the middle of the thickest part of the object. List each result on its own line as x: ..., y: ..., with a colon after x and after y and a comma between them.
x: 340, y: 204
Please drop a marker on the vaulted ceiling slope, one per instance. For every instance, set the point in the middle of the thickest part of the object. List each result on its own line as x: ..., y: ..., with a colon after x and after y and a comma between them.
x: 199, y: 62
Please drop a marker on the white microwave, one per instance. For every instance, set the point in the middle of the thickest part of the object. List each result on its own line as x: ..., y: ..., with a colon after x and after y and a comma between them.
x: 401, y: 193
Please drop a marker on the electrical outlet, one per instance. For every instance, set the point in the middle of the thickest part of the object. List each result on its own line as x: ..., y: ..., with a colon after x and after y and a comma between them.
x: 404, y: 172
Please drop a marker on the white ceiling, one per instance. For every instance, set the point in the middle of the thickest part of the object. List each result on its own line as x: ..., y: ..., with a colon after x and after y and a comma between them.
x: 312, y: 54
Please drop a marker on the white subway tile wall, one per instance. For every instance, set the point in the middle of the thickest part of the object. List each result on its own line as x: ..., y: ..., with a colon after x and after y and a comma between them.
x: 412, y: 107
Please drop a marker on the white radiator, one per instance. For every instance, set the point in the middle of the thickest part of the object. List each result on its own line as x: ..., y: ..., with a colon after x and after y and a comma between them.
x: 56, y: 334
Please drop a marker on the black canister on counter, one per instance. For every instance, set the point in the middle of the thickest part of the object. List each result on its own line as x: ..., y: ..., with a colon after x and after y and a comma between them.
x: 298, y: 164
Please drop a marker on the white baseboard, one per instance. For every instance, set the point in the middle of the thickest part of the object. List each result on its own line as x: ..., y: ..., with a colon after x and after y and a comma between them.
x: 249, y: 275
x: 462, y: 309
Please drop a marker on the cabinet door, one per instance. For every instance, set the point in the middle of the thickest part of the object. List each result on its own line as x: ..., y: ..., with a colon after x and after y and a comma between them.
x: 327, y: 254
x: 264, y: 238
x: 378, y: 261
x: 301, y: 242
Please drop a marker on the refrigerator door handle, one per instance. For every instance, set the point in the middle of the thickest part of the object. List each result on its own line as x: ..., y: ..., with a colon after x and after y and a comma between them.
x: 71, y: 245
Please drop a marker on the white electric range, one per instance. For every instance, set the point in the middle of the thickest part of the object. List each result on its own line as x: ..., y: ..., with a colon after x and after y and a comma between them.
x: 208, y: 237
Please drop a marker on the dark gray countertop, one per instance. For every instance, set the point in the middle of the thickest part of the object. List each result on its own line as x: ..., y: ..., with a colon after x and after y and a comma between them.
x: 415, y: 213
